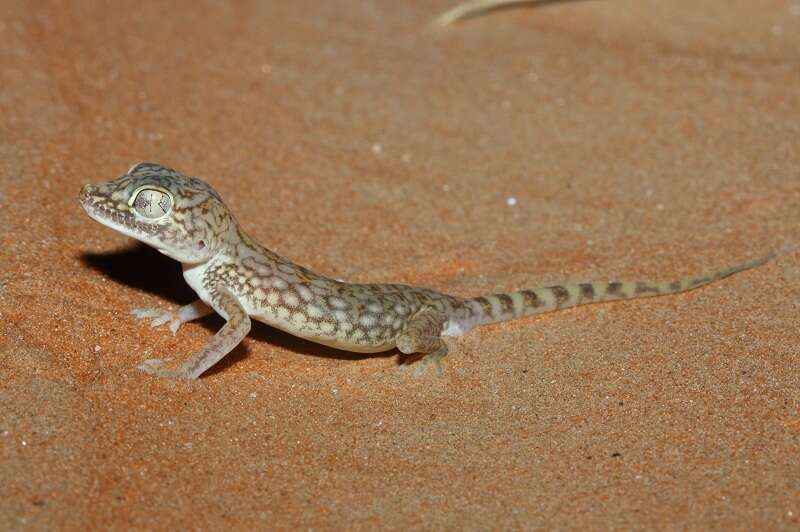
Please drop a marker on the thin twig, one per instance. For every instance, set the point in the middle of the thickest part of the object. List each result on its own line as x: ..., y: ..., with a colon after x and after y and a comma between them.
x: 473, y: 7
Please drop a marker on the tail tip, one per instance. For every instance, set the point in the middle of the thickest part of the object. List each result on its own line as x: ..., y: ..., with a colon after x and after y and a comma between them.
x: 762, y: 260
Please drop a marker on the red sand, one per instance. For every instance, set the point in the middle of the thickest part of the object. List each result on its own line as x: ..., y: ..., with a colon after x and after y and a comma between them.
x: 641, y: 139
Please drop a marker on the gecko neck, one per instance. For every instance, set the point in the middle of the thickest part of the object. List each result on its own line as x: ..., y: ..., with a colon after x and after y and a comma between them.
x: 233, y: 249
x: 243, y: 245
x: 234, y: 246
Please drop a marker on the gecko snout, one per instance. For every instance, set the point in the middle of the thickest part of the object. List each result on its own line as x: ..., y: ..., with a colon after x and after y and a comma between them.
x: 85, y: 198
x: 86, y: 190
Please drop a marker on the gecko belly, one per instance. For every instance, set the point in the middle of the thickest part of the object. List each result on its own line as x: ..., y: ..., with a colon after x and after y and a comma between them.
x: 315, y: 334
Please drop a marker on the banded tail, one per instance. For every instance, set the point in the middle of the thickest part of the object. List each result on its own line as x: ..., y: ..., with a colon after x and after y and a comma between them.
x: 502, y: 307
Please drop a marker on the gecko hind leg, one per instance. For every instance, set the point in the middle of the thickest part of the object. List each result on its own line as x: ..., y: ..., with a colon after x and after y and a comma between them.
x: 423, y: 334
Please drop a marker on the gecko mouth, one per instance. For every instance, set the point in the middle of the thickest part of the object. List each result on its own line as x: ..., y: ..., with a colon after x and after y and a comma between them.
x: 83, y: 197
x: 95, y: 209
x: 98, y: 209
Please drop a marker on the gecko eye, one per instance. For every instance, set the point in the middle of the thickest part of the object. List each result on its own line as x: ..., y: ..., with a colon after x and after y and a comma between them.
x: 152, y: 203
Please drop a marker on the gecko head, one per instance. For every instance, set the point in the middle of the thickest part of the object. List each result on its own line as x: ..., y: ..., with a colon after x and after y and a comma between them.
x: 182, y: 217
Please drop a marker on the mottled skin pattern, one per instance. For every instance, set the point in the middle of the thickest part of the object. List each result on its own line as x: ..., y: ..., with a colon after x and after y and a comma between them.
x: 184, y: 218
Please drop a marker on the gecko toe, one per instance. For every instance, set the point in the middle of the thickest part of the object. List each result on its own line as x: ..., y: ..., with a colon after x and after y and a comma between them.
x: 161, y: 320
x: 144, y: 313
x: 175, y: 325
x: 433, y: 359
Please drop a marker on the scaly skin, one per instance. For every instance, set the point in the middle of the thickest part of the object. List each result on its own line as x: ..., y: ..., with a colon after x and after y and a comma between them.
x: 184, y: 218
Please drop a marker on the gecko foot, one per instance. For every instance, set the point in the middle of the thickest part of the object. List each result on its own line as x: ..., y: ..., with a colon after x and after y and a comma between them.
x: 422, y: 337
x: 154, y: 366
x: 432, y: 359
x: 160, y: 317
x: 421, y: 362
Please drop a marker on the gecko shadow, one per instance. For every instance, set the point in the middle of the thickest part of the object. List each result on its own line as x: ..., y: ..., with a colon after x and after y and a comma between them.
x: 145, y: 269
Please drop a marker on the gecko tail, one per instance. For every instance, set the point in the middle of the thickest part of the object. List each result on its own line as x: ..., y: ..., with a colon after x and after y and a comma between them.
x: 501, y: 307
x: 471, y: 8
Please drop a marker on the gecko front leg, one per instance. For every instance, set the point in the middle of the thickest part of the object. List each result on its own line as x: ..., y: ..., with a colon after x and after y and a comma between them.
x: 423, y: 334
x: 222, y: 343
x: 193, y: 311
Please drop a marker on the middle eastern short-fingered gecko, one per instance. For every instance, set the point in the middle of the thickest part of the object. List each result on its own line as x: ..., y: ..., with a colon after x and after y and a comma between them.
x: 186, y: 219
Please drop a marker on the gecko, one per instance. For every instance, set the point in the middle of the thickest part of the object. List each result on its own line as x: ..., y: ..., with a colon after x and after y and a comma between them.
x: 186, y: 219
